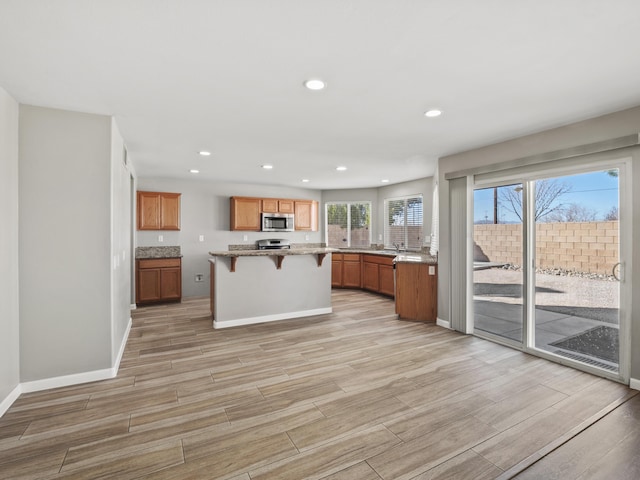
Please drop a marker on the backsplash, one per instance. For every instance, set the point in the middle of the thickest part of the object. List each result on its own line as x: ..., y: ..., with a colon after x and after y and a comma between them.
x: 158, y: 252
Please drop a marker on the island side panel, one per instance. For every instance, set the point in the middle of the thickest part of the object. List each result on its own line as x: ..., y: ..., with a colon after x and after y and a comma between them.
x: 260, y: 292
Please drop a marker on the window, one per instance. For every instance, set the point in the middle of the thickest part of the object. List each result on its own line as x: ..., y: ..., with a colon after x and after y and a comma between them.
x: 403, y: 222
x: 348, y: 224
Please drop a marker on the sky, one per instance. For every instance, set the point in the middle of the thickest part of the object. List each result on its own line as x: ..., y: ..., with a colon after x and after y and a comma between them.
x: 596, y: 191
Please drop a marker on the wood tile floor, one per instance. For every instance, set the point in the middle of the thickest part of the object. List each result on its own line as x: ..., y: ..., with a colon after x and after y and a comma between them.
x: 356, y: 394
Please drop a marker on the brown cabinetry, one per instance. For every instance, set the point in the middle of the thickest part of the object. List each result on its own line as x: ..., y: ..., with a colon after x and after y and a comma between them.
x: 346, y: 270
x: 306, y: 215
x: 158, y: 211
x: 158, y: 280
x: 245, y: 213
x: 377, y: 274
x: 416, y: 291
x: 277, y: 205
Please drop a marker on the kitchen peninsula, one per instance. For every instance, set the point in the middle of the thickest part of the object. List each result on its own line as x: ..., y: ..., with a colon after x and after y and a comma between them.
x: 255, y: 286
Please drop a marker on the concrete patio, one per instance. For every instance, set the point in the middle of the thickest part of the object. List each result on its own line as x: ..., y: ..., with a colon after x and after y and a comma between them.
x: 566, y: 307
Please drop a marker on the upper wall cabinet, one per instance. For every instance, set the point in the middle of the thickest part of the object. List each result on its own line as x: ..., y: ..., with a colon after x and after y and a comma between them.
x: 277, y: 205
x: 306, y: 215
x: 158, y: 211
x: 245, y: 213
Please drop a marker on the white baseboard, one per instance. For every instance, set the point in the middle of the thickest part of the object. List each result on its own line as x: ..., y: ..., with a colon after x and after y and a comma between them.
x: 634, y: 383
x: 8, y: 401
x: 66, y: 380
x: 125, y: 337
x: 270, y: 318
x: 443, y: 323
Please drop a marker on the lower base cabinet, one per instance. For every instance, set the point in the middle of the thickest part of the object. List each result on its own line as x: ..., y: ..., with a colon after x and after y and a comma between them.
x: 345, y: 270
x: 158, y: 280
x: 377, y: 274
x: 416, y: 291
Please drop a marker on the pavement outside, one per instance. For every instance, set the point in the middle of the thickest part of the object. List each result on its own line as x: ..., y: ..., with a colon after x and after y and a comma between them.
x: 567, y: 308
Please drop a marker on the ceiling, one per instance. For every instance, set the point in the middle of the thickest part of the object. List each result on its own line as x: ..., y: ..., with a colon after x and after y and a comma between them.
x: 226, y: 76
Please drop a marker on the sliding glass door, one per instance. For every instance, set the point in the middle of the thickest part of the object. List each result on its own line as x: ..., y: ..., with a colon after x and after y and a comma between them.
x: 498, y: 276
x: 547, y: 270
x: 577, y: 259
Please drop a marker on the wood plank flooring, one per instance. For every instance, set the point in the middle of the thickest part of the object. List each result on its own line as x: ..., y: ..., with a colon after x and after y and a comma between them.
x: 356, y: 394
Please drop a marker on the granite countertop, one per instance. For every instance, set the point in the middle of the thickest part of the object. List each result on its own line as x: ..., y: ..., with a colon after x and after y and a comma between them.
x: 158, y: 252
x: 266, y: 253
x: 415, y: 257
x: 402, y: 257
x: 399, y: 257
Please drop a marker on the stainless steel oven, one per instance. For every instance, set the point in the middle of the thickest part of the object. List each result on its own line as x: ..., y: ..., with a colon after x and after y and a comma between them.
x: 277, y: 222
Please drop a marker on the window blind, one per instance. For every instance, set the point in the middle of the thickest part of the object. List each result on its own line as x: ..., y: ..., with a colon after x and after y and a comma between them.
x: 403, y: 223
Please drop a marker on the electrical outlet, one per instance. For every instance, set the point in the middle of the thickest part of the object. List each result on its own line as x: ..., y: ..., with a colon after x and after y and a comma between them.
x: 201, y: 238
x: 432, y: 270
x: 161, y: 238
x: 245, y: 238
x: 306, y: 237
x: 199, y: 277
x: 380, y: 237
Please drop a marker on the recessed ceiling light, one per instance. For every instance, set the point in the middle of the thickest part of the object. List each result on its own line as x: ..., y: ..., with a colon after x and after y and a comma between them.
x: 204, y: 153
x: 267, y: 167
x: 385, y: 180
x: 315, y: 84
x: 434, y: 112
x: 341, y: 168
x: 305, y: 180
x: 193, y: 170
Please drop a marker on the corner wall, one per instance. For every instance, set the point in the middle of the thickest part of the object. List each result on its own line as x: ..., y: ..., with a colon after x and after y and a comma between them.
x: 65, y: 243
x: 9, y: 304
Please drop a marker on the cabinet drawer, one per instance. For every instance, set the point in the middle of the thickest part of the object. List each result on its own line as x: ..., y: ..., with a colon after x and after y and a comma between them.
x: 379, y: 259
x: 158, y: 262
x: 351, y: 257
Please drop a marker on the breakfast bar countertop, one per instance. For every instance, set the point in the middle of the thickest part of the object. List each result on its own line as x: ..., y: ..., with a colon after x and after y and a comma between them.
x: 272, y: 252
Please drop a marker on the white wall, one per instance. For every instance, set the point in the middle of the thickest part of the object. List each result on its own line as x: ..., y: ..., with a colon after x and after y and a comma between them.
x: 587, y: 132
x: 65, y: 242
x: 9, y: 312
x: 121, y: 245
x: 205, y: 211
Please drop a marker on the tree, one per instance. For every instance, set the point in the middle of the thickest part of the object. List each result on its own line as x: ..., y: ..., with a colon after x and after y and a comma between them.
x: 573, y: 212
x: 612, y: 214
x: 548, y: 193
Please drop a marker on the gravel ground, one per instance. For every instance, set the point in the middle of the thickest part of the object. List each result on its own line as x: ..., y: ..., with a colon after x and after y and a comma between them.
x: 596, y: 298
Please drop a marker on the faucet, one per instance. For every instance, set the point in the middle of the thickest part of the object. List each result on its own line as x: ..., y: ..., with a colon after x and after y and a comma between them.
x: 397, y: 246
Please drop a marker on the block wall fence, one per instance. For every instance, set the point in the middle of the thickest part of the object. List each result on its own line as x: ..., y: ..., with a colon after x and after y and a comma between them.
x: 588, y: 247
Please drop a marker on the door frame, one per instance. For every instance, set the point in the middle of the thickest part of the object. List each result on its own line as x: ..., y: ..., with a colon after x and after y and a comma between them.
x: 526, y: 175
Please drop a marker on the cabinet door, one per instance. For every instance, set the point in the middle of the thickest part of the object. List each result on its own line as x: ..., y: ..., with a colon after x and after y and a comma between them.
x: 148, y: 210
x: 286, y: 206
x: 170, y: 283
x: 148, y: 285
x: 351, y: 274
x: 385, y: 276
x: 336, y: 271
x: 245, y: 213
x: 370, y: 279
x: 169, y: 211
x: 306, y: 215
x: 270, y: 205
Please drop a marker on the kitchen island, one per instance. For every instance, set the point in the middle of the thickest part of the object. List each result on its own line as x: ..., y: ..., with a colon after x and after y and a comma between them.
x: 256, y: 286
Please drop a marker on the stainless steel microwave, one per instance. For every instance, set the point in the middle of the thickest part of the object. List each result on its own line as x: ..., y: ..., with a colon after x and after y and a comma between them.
x: 277, y: 222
